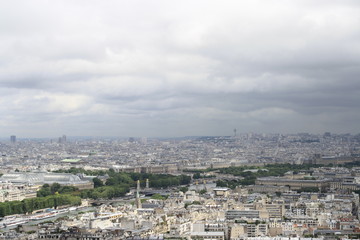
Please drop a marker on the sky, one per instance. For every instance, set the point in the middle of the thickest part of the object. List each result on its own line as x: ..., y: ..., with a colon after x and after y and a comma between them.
x: 178, y: 68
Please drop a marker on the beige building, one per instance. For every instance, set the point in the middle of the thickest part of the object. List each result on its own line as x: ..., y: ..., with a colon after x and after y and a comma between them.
x: 267, y: 188
x: 12, y: 192
x: 221, y: 192
x: 244, y: 230
x: 208, y: 235
x: 294, y: 184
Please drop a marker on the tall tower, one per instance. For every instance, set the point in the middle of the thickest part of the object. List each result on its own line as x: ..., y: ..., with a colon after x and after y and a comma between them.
x: 138, y: 200
x: 147, y: 184
x: 234, y: 132
x: 13, y: 139
x: 138, y: 185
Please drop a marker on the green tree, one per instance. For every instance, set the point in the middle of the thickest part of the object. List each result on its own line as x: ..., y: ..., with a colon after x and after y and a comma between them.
x: 196, y: 175
x: 159, y: 197
x: 55, y: 187
x: 97, y: 182
x: 203, y: 191
x: 184, y: 189
x: 44, y: 191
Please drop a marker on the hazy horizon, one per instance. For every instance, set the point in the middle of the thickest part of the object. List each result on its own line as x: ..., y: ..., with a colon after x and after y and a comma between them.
x: 173, y: 137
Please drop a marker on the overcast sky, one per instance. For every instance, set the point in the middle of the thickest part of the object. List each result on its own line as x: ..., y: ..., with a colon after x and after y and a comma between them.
x: 178, y: 68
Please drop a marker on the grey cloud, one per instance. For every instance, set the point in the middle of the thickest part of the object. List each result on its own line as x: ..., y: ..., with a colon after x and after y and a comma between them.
x: 170, y: 69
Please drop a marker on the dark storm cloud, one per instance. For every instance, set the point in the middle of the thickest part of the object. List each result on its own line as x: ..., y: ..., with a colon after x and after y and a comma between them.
x: 167, y: 69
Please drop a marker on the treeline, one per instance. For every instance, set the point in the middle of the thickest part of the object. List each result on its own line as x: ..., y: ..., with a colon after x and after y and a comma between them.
x: 30, y: 204
x: 99, y: 192
x: 105, y: 192
x: 236, y: 182
x: 249, y: 177
x: 155, y: 180
x: 351, y: 164
x: 74, y: 170
x: 267, y: 170
x: 169, y: 181
x: 116, y: 185
x: 160, y: 180
x: 47, y: 189
x: 122, y: 178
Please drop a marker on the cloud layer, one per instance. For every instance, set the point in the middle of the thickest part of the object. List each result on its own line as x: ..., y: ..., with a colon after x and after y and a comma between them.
x: 165, y: 68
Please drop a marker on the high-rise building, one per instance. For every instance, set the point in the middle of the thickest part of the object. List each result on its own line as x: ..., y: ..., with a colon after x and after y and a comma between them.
x: 13, y: 138
x: 62, y: 139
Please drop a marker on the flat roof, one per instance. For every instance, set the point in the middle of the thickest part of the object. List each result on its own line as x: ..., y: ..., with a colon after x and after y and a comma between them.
x: 221, y: 189
x: 71, y: 160
x: 207, y: 233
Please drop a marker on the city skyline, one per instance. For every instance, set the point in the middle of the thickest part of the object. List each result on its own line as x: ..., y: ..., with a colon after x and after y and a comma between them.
x: 133, y: 138
x: 161, y: 69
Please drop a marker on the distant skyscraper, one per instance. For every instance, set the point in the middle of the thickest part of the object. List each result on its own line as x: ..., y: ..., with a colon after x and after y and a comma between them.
x: 13, y: 138
x: 62, y: 139
x: 143, y: 140
x: 327, y: 134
